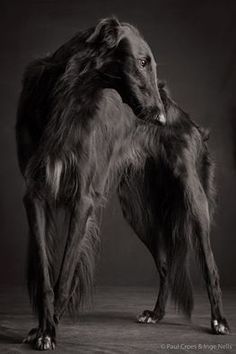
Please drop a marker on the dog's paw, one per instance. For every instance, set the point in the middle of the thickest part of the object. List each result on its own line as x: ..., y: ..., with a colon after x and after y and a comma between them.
x: 41, y: 340
x: 149, y: 317
x: 45, y: 342
x: 31, y: 336
x: 220, y: 326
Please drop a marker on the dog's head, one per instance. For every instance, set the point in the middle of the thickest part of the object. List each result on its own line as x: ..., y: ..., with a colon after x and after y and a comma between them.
x: 127, y: 64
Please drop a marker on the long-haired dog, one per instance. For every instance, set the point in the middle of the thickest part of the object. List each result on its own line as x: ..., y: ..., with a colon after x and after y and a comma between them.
x: 87, y: 118
x: 77, y: 130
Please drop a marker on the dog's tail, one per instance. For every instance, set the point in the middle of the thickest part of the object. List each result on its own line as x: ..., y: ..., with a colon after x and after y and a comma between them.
x: 178, y: 267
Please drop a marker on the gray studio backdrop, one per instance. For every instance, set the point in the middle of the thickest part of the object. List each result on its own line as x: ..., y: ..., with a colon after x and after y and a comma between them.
x: 194, y: 43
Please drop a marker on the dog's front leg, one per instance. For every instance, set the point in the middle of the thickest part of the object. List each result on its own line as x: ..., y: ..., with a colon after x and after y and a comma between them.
x: 39, y: 282
x: 80, y: 216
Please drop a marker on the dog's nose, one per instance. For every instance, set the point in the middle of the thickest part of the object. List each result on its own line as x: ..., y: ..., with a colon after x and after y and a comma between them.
x: 161, y: 119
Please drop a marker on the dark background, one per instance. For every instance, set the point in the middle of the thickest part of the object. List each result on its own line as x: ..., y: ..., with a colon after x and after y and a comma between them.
x: 194, y: 44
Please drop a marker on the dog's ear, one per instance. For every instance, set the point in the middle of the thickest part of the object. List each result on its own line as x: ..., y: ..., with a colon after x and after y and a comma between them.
x: 106, y: 32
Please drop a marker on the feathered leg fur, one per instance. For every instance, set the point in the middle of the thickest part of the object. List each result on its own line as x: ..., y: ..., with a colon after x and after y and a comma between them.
x: 157, y: 213
x: 39, y: 279
x: 201, y: 232
x: 75, y: 280
x: 132, y: 196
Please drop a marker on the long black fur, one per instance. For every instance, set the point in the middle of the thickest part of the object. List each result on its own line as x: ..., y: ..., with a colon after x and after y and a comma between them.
x: 77, y: 129
x: 170, y: 203
x: 89, y: 116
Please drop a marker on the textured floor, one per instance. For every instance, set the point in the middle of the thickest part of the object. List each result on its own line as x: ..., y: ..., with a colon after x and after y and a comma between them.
x: 110, y: 327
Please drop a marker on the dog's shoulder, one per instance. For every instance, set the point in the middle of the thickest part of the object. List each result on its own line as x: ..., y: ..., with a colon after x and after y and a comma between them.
x: 111, y: 105
x: 111, y: 95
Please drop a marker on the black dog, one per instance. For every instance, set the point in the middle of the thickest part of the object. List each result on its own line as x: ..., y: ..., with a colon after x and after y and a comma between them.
x: 87, y: 119
x: 82, y: 118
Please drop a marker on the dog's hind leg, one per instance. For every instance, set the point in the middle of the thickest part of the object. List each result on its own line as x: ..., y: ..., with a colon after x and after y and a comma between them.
x: 138, y: 213
x: 201, y: 229
x: 158, y: 312
x: 39, y: 282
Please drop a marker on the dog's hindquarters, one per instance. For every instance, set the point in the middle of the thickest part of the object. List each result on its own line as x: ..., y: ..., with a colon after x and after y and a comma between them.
x: 134, y: 200
x: 152, y: 200
x: 175, y: 199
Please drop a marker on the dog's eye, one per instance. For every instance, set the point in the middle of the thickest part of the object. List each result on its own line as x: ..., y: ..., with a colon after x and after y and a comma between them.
x: 142, y: 62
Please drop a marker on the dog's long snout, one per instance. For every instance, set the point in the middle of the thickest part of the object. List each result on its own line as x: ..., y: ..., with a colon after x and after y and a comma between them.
x: 162, y: 119
x: 160, y: 116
